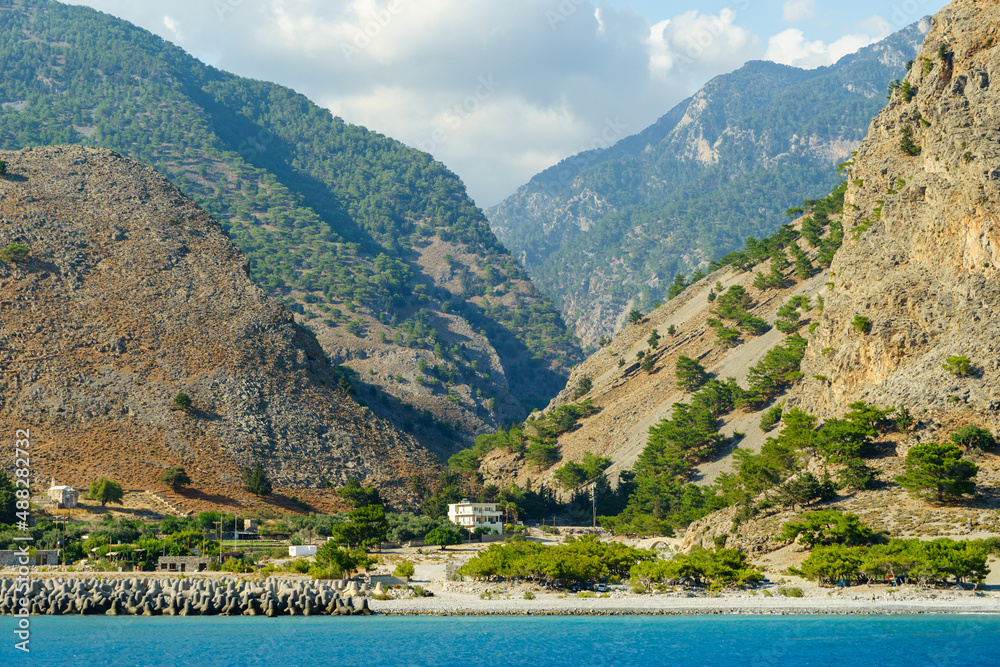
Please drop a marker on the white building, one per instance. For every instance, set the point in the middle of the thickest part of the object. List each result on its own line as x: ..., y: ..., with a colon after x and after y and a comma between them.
x: 302, y: 550
x: 63, y: 496
x: 470, y: 516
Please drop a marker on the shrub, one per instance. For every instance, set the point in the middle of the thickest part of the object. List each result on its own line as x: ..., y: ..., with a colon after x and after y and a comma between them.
x: 973, y: 437
x: 182, y: 402
x: 691, y: 375
x: 904, y: 420
x: 906, y: 142
x: 3, y: 168
x: 771, y: 418
x: 582, y: 387
x: 856, y: 474
x: 938, y: 471
x: 175, y: 478
x: 861, y: 324
x: 959, y: 366
x: 255, y: 480
x: 14, y: 252
x: 300, y: 565
x: 106, y: 491
x: 634, y: 316
x: 528, y: 595
x: 790, y: 591
x: 404, y: 570
x: 443, y: 536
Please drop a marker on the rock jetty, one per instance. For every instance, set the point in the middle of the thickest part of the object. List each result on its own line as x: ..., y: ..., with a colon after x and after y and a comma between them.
x: 187, y: 597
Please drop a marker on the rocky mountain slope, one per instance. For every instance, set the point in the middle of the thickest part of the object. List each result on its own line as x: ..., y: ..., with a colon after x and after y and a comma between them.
x: 129, y: 294
x: 607, y: 229
x: 373, y: 245
x: 630, y: 400
x: 913, y: 284
x: 921, y: 262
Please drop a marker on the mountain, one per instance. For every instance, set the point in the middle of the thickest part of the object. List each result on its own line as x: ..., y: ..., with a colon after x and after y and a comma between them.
x: 828, y: 352
x: 373, y: 245
x: 125, y: 294
x: 922, y: 254
x: 607, y: 230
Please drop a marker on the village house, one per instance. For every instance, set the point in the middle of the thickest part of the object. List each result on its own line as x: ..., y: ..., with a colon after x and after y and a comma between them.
x: 469, y: 516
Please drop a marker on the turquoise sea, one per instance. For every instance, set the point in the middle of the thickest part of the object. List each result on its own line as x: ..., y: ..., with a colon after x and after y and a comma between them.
x: 682, y: 641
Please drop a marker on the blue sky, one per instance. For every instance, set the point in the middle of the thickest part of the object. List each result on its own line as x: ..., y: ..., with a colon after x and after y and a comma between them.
x: 499, y: 90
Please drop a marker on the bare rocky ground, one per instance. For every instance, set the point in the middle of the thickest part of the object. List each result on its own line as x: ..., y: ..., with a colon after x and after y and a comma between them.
x: 131, y: 294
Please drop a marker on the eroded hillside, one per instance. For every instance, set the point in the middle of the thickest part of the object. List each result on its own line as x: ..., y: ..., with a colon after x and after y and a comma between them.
x: 126, y: 294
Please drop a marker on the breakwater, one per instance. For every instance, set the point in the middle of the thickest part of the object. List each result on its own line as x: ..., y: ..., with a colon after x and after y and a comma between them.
x: 185, y: 597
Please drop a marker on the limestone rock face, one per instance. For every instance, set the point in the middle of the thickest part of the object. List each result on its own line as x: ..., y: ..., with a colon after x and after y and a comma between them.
x: 131, y: 294
x: 922, y: 246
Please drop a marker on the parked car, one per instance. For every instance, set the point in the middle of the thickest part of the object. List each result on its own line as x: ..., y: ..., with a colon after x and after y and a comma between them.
x: 602, y: 588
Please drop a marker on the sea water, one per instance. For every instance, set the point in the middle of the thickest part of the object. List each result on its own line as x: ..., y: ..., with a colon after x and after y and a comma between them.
x: 682, y: 641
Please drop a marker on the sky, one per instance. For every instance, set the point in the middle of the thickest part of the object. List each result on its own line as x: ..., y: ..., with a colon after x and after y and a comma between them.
x: 499, y: 90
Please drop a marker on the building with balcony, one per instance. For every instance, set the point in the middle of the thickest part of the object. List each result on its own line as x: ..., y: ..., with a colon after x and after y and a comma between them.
x: 469, y: 516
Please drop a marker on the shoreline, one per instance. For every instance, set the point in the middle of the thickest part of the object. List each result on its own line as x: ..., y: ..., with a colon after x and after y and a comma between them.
x: 686, y: 607
x: 299, y: 595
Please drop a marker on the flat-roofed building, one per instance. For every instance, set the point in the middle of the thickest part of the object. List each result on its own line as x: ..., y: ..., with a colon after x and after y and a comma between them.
x: 470, y: 516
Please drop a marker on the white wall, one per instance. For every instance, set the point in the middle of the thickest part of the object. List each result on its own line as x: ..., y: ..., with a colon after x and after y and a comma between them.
x: 302, y: 550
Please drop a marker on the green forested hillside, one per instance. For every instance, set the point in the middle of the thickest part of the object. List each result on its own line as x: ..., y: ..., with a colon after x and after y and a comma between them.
x: 346, y: 225
x: 607, y: 230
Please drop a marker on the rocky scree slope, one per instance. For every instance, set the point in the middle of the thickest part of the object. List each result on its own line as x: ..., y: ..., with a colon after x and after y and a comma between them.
x: 131, y: 294
x: 922, y: 260
x: 609, y: 228
x: 630, y: 400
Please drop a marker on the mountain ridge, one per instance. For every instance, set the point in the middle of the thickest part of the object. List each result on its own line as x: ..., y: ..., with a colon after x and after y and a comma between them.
x: 607, y: 230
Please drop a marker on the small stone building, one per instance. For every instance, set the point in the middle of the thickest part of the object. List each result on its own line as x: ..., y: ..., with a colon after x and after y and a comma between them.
x: 64, y: 497
x: 11, y: 558
x: 183, y: 564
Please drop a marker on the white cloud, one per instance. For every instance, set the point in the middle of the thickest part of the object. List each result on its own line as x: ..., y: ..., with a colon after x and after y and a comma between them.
x: 797, y: 11
x: 701, y: 44
x: 173, y: 27
x: 790, y: 47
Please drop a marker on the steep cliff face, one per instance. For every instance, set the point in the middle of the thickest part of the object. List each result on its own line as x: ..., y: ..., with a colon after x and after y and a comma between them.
x: 921, y: 261
x: 130, y: 294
